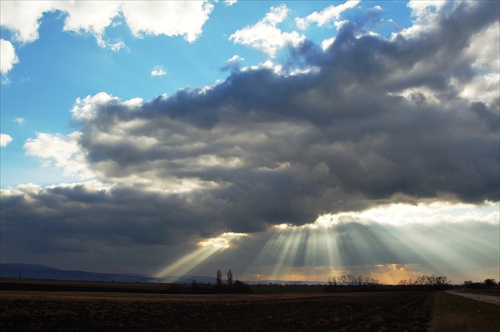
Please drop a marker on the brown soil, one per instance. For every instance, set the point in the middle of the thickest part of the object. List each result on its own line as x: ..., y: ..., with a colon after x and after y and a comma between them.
x: 45, y: 311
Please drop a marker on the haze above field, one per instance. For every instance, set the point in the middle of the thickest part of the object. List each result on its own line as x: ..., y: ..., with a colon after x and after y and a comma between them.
x: 284, y: 140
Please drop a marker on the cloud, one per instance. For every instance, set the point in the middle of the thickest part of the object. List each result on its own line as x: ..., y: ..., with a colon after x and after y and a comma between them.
x: 8, y: 56
x: 331, y: 13
x: 233, y: 63
x: 348, y: 132
x: 170, y: 18
x: 5, y: 140
x: 83, y: 16
x: 19, y: 120
x: 61, y: 151
x: 235, y: 58
x: 325, y: 44
x: 265, y: 36
x: 380, y: 121
x: 158, y: 71
x: 276, y: 68
x: 22, y: 18
x: 86, y: 108
x: 426, y: 16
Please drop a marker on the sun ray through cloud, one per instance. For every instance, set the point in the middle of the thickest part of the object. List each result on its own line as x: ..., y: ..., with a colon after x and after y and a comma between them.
x: 190, y: 261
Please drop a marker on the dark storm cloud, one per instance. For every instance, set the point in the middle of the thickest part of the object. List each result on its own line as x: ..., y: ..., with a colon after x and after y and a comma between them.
x: 118, y: 217
x: 268, y: 149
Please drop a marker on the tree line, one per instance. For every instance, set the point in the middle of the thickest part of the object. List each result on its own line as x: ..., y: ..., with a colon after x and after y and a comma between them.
x: 351, y: 283
x: 359, y: 283
x: 486, y: 284
x: 426, y: 282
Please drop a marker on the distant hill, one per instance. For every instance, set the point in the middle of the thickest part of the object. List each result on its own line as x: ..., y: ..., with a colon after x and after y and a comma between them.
x: 35, y: 271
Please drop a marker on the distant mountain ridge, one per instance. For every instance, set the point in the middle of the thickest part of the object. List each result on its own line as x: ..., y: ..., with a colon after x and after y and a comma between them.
x: 36, y: 271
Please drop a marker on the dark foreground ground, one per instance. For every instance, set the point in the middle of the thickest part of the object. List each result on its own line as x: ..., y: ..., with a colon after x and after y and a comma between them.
x: 71, y: 311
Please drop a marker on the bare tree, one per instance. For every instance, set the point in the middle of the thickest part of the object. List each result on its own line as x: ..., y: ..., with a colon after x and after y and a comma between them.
x: 333, y: 283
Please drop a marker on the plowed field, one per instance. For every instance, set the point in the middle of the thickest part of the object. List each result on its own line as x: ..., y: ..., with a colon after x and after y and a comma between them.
x: 45, y: 311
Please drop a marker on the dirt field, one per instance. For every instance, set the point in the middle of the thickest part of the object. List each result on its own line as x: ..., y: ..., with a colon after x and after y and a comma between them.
x: 58, y: 311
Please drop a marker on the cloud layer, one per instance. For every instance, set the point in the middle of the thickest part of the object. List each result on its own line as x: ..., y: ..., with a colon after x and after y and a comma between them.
x: 378, y: 121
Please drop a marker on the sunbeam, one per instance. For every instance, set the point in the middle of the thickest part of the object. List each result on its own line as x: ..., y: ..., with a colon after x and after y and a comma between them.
x: 402, y: 245
x: 288, y: 252
x: 190, y: 261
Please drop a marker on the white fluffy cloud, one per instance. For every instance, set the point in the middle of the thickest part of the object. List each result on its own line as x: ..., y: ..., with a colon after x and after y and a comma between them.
x: 5, y: 140
x: 326, y: 15
x: 60, y: 151
x: 426, y: 15
x: 276, y: 68
x: 265, y: 36
x: 8, y: 56
x: 170, y: 18
x: 83, y: 16
x: 235, y: 58
x: 22, y: 18
x: 158, y: 71
x: 85, y: 108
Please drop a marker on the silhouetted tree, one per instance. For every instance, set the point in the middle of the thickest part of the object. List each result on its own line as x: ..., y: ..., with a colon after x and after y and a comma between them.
x: 218, y: 280
x: 229, y: 278
x: 332, y: 284
x: 468, y: 284
x: 489, y: 283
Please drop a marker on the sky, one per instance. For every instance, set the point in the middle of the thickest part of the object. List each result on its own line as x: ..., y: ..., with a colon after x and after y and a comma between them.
x: 287, y: 140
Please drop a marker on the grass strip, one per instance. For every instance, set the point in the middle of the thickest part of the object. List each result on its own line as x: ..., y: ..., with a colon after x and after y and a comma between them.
x: 456, y: 313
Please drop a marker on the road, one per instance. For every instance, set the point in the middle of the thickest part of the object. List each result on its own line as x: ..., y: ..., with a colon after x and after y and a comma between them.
x: 478, y: 297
